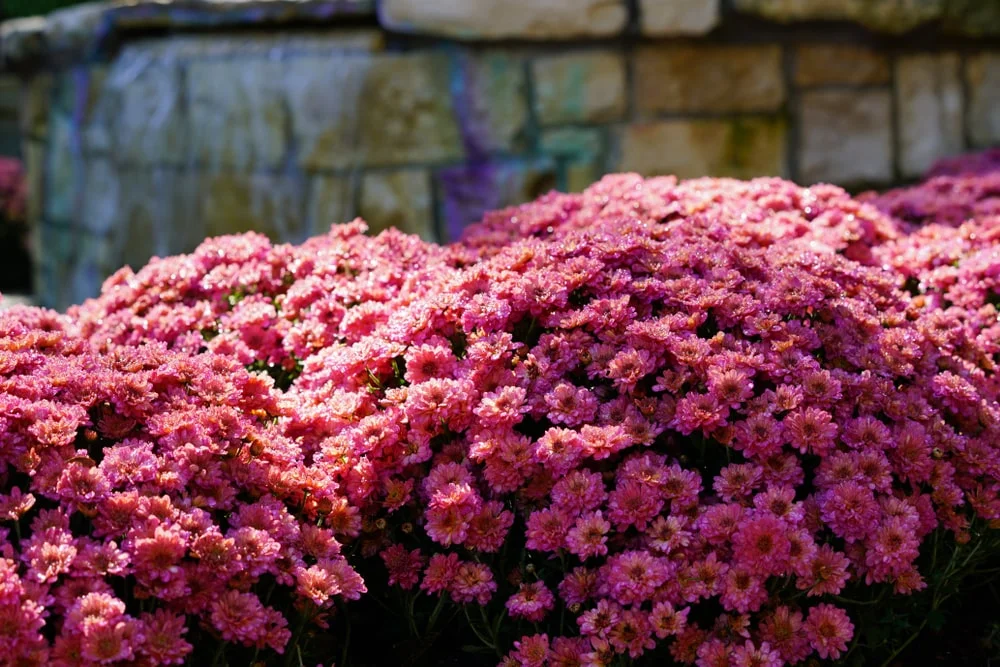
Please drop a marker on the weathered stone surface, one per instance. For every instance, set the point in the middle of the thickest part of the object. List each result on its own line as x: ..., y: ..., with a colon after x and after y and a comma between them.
x: 36, y: 98
x: 499, y: 19
x: 144, y: 14
x: 274, y: 45
x: 582, y: 151
x: 982, y: 71
x: 929, y: 110
x: 823, y: 64
x: 34, y: 170
x: 73, y: 30
x: 893, y: 16
x: 23, y: 40
x: 232, y: 203
x: 681, y: 79
x: 492, y: 106
x: 573, y: 142
x: 678, y: 17
x: 80, y: 93
x: 469, y: 191
x: 151, y: 202
x: 581, y: 175
x: 76, y: 31
x: 845, y: 137
x: 379, y: 110
x: 101, y: 197
x: 63, y: 177
x: 56, y: 252
x: 72, y: 265
x: 978, y: 18
x: 689, y: 148
x: 10, y: 98
x: 144, y: 102
x: 583, y: 87
x: 97, y: 120
x: 10, y: 139
x: 238, y: 117
x: 400, y: 199
x: 331, y: 201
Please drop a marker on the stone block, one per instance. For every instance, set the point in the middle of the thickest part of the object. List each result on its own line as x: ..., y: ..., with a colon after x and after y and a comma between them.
x: 741, y: 148
x: 72, y: 265
x: 839, y: 64
x: 36, y: 99
x: 685, y: 79
x: 466, y: 192
x: 57, y: 250
x: 506, y: 19
x: 63, y: 171
x: 372, y: 110
x: 158, y: 14
x: 982, y: 72
x: 582, y: 87
x: 582, y: 152
x: 145, y: 104
x: 331, y: 201
x: 976, y: 18
x: 238, y: 116
x: 400, y: 199
x: 492, y: 107
x: 573, y: 142
x: 892, y: 16
x: 581, y: 175
x: 232, y: 203
x: 845, y: 137
x: 10, y: 98
x: 661, y: 18
x: 34, y: 170
x: 929, y: 110
x: 98, y: 120
x: 10, y: 139
x: 152, y: 202
x: 101, y: 197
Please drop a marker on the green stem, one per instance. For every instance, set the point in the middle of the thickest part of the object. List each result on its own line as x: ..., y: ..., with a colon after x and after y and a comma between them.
x: 295, y: 640
x: 905, y: 644
x: 435, y: 614
x: 472, y: 626
x: 218, y: 653
x: 859, y: 602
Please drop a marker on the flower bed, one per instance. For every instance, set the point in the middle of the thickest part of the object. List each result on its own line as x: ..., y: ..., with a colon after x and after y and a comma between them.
x: 710, y: 422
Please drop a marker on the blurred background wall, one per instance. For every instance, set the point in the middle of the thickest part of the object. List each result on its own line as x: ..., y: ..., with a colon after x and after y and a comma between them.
x: 147, y: 125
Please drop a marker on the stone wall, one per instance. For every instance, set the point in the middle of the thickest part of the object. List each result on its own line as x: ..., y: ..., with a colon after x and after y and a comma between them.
x: 148, y: 126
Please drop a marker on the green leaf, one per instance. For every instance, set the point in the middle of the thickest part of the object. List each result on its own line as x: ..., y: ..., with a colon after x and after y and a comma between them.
x: 936, y: 620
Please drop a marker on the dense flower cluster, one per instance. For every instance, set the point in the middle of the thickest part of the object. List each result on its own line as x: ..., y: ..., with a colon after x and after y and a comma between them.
x: 658, y: 418
x: 263, y: 304
x: 951, y: 262
x: 671, y: 422
x: 955, y: 191
x: 143, y: 488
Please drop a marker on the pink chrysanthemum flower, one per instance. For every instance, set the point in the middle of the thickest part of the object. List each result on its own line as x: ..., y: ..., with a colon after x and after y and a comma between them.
x: 588, y: 536
x: 531, y: 651
x: 531, y: 602
x: 163, y: 635
x: 829, y: 630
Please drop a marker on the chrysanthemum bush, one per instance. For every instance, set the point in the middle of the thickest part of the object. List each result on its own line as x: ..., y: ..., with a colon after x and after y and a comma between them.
x: 707, y: 422
x: 151, y: 509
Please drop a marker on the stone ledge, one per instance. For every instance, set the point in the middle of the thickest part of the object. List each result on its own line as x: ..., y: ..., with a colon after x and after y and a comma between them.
x: 962, y: 17
x: 78, y: 31
x: 81, y: 31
